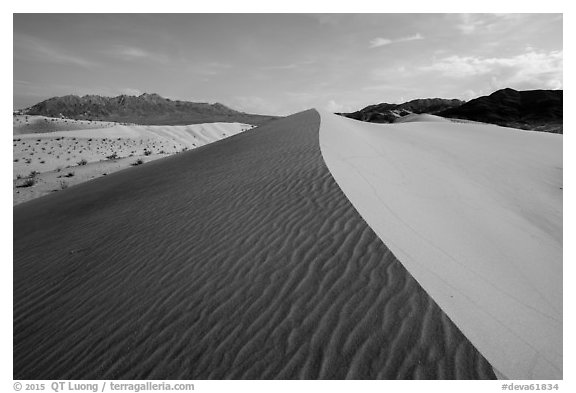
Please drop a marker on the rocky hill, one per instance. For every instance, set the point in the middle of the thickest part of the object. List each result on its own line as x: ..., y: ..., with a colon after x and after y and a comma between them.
x: 539, y: 110
x: 388, y: 113
x: 148, y: 109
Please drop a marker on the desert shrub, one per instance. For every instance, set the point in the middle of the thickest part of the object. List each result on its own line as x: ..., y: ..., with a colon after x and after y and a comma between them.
x: 27, y: 183
x: 33, y: 174
x: 69, y: 174
x: 147, y: 152
x: 138, y: 162
x: 112, y: 156
x: 82, y: 162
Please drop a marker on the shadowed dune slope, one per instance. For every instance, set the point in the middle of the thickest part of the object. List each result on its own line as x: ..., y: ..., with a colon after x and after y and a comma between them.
x: 242, y: 259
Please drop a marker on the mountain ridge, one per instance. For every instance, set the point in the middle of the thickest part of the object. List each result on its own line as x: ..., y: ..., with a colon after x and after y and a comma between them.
x: 540, y: 110
x: 388, y: 113
x: 145, y: 109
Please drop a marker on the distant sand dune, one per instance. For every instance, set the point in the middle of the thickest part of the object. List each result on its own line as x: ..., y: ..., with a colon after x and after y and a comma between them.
x: 242, y: 259
x: 32, y: 124
x: 422, y: 117
x: 104, y: 150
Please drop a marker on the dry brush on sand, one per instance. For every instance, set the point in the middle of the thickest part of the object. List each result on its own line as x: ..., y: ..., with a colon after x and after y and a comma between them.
x: 95, y: 152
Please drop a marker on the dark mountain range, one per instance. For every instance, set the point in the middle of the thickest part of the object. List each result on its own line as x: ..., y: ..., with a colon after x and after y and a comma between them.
x: 148, y: 109
x: 388, y: 113
x: 539, y: 110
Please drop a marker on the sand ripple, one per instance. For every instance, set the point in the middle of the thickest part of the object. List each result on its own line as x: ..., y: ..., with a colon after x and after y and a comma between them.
x: 242, y: 259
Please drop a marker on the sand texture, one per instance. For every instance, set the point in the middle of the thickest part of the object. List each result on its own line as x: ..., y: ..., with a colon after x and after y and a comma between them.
x: 474, y: 212
x: 241, y: 259
x: 62, y: 158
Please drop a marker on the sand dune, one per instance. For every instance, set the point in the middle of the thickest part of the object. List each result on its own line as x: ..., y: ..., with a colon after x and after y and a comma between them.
x: 241, y: 259
x: 474, y: 212
x: 89, y: 153
x: 32, y: 124
x: 420, y: 117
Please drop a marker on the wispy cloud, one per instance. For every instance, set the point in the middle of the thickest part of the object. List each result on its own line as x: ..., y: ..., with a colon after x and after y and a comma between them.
x: 37, y: 50
x: 130, y: 52
x: 334, y: 106
x: 289, y: 66
x: 539, y: 69
x: 380, y: 41
x: 487, y: 23
x: 133, y: 53
x: 469, y: 23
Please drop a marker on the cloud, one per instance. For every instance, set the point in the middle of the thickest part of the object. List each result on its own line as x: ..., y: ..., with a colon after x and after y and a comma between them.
x: 37, y: 50
x: 379, y: 41
x: 290, y: 66
x: 333, y: 106
x: 130, y: 52
x: 133, y: 53
x: 469, y: 23
x: 530, y: 69
x: 488, y: 23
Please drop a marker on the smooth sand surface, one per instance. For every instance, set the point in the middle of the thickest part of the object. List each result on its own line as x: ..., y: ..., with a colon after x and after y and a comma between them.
x: 240, y: 259
x: 474, y: 212
x: 58, y: 156
x: 420, y: 117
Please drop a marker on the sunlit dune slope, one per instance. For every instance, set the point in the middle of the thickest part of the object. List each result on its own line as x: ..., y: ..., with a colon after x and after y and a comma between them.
x: 474, y: 213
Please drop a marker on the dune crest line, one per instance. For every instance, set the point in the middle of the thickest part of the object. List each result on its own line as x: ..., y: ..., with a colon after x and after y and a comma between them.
x: 238, y: 260
x: 474, y: 213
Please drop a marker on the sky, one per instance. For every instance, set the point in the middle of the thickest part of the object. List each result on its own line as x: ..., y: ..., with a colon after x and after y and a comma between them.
x: 284, y: 63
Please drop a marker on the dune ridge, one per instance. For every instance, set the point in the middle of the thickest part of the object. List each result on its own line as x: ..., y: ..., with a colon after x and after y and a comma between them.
x: 238, y: 260
x: 474, y: 212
